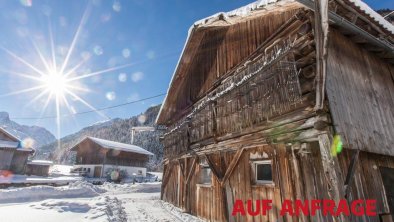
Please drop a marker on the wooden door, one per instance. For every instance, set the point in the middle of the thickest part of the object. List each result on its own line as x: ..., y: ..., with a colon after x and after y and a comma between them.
x: 97, y: 171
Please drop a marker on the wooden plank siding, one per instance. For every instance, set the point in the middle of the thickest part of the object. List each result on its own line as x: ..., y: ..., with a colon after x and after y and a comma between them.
x: 6, y: 158
x: 219, y: 49
x: 271, y: 114
x: 206, y: 200
x: 360, y: 91
x: 19, y: 160
x: 367, y: 182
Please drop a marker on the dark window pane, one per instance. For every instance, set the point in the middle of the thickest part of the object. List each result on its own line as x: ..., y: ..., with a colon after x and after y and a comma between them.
x: 264, y: 172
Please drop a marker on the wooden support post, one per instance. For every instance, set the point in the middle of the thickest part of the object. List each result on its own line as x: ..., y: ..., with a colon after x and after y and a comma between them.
x: 332, y: 172
x: 228, y: 201
x: 216, y: 172
x: 350, y: 173
x: 191, y: 171
x: 184, y: 191
x: 321, y: 39
x: 187, y: 184
x: 166, y: 176
x: 162, y: 186
x: 227, y: 196
x: 182, y: 166
x: 298, y: 187
x: 232, y: 165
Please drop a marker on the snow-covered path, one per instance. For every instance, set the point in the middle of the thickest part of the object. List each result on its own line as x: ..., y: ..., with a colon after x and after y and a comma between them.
x: 127, y: 202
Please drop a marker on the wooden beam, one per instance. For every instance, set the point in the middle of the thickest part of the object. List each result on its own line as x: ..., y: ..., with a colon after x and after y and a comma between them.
x: 215, y: 170
x: 332, y: 172
x: 182, y: 166
x: 166, y: 177
x: 350, y: 172
x: 219, y: 176
x: 187, y: 185
x: 321, y: 39
x: 232, y: 165
x: 165, y: 172
x: 297, y: 181
x: 191, y: 170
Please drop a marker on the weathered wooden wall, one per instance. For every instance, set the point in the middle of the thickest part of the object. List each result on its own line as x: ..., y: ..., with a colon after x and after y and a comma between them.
x: 297, y: 174
x: 243, y: 119
x: 37, y: 170
x: 90, y: 152
x: 122, y: 158
x: 367, y: 181
x: 360, y: 91
x: 211, y: 53
x: 6, y: 158
x: 19, y: 161
x: 278, y: 79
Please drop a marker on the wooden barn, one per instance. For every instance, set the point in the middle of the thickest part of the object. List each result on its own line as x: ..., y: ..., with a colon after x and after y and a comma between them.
x: 13, y: 157
x: 263, y: 99
x: 95, y: 157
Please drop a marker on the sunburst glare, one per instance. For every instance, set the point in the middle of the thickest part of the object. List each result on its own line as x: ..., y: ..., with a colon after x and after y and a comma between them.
x: 56, y: 81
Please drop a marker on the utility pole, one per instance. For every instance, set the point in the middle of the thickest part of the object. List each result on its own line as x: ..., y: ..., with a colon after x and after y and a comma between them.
x: 140, y: 129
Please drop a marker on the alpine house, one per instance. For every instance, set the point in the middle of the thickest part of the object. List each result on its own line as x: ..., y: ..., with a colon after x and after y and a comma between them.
x: 13, y: 156
x: 282, y: 100
x: 95, y: 157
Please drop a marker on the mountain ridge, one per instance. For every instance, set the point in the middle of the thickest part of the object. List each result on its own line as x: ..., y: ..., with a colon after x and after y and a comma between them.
x: 40, y: 135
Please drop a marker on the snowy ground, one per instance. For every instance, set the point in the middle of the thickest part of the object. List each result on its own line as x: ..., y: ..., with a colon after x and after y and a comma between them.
x: 85, y: 202
x: 58, y: 174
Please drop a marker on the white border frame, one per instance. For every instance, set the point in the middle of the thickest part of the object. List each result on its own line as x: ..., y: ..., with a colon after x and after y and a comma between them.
x: 255, y: 172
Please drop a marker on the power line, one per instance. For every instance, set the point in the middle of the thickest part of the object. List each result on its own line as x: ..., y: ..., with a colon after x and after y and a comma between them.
x: 93, y: 110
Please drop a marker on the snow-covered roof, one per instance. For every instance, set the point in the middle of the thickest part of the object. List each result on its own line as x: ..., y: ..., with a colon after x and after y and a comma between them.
x: 247, y: 10
x: 373, y: 14
x: 40, y: 162
x: 120, y: 146
x: 8, y: 144
x: 262, y: 4
x: 26, y: 149
x: 244, y: 11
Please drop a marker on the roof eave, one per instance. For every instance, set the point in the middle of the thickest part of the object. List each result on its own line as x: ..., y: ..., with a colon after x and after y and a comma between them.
x: 10, y: 134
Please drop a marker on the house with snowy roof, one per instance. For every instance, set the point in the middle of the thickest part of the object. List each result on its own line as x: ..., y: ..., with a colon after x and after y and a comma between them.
x: 282, y: 100
x: 13, y: 156
x: 95, y: 157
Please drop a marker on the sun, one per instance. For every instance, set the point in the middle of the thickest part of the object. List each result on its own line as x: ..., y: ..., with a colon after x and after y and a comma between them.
x: 55, y: 83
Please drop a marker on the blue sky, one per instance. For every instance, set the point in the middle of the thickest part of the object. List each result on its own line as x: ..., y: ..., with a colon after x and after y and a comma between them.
x: 147, y: 35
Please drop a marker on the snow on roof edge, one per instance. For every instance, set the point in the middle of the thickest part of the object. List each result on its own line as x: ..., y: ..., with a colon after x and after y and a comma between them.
x: 245, y: 11
x: 241, y: 12
x: 374, y: 15
x: 40, y: 162
x: 120, y: 146
x: 9, y: 134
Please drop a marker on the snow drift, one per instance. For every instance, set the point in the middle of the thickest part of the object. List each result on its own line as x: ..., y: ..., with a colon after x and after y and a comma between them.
x: 36, y: 193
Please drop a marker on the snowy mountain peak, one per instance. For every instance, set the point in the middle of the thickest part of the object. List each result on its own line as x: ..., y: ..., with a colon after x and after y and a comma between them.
x: 4, y: 117
x: 40, y: 135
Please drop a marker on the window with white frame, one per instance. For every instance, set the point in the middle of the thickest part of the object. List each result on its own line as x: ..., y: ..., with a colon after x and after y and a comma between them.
x: 263, y: 171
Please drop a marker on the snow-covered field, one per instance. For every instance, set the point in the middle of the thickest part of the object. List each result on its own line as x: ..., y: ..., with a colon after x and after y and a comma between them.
x: 85, y: 202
